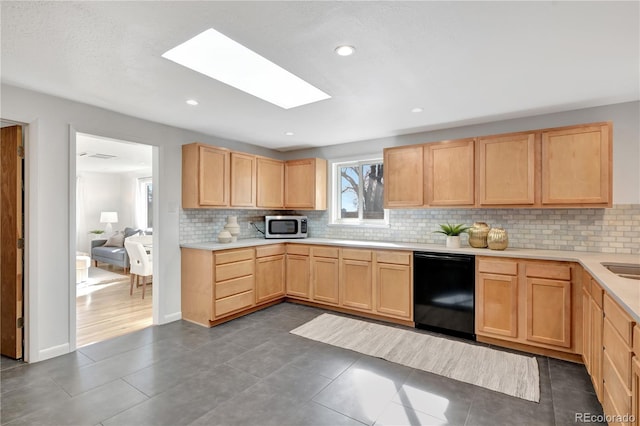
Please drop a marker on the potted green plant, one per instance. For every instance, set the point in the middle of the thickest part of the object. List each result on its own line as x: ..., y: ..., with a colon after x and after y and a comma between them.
x: 453, y: 233
x: 96, y: 233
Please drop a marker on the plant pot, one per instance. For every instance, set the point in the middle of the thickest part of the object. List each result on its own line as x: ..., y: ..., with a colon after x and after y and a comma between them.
x: 453, y: 241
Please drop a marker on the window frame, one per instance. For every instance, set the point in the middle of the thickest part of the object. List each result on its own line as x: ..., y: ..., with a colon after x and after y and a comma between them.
x: 143, y: 202
x: 335, y: 195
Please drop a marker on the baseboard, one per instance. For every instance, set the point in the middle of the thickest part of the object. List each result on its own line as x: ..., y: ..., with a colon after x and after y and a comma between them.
x: 53, y: 352
x: 172, y: 317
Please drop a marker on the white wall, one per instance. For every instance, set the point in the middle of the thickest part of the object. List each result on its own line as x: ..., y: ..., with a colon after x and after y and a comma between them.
x: 626, y: 141
x: 49, y: 166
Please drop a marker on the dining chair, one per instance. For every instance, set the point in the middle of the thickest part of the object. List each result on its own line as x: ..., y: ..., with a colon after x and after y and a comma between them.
x: 141, y: 264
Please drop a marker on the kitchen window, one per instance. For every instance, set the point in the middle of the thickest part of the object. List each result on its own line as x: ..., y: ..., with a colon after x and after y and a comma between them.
x: 358, y: 193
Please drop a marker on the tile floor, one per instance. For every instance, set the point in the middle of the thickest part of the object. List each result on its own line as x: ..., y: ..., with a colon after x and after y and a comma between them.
x: 251, y: 371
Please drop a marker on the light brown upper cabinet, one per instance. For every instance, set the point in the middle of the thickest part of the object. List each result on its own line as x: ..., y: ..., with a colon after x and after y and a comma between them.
x: 576, y: 165
x: 506, y: 169
x: 450, y: 176
x: 205, y: 176
x: 403, y: 176
x: 270, y: 182
x: 243, y: 180
x: 305, y: 184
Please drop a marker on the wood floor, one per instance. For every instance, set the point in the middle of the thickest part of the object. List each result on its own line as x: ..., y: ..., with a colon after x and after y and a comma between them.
x: 104, y: 311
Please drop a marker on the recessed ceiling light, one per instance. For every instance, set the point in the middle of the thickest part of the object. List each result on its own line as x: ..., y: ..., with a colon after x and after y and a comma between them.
x: 345, y: 50
x: 288, y: 133
x: 417, y: 109
x: 217, y: 56
x: 192, y: 102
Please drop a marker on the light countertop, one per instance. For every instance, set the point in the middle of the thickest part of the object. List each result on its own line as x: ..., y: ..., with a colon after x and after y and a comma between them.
x: 626, y: 291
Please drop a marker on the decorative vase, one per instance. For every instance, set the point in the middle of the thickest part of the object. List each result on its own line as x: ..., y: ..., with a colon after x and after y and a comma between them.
x: 497, y: 239
x: 224, y: 236
x: 233, y: 227
x: 453, y: 241
x: 478, y: 235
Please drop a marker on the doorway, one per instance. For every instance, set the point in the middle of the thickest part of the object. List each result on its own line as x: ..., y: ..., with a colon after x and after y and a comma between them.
x: 113, y: 204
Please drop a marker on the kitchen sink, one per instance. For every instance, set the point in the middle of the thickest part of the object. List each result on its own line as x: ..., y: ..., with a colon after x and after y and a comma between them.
x: 624, y: 270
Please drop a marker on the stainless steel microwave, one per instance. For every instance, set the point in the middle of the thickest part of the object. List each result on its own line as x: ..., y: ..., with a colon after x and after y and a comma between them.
x: 285, y: 227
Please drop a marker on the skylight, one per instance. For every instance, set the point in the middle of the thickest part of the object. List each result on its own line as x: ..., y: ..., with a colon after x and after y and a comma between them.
x: 217, y: 56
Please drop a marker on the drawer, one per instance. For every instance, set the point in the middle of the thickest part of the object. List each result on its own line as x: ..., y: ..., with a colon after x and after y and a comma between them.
x: 597, y: 293
x: 270, y: 250
x: 354, y: 254
x: 234, y: 256
x: 548, y: 270
x: 636, y: 340
x: 620, y: 320
x: 394, y: 257
x: 619, y: 394
x: 234, y: 270
x: 503, y: 267
x: 325, y: 252
x: 234, y: 303
x: 234, y: 286
x: 619, y: 352
x: 298, y: 249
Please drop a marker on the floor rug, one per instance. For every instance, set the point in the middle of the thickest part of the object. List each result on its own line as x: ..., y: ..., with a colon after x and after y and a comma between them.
x: 505, y: 372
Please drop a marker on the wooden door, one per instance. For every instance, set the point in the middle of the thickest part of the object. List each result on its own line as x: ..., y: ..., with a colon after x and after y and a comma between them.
x: 394, y: 290
x: 586, y: 329
x: 549, y: 311
x: 300, y: 184
x: 270, y: 278
x: 497, y: 304
x: 325, y: 279
x: 298, y: 273
x: 356, y: 283
x: 270, y: 178
x: 506, y: 167
x: 243, y: 180
x: 12, y: 242
x: 403, y: 177
x: 450, y: 176
x: 576, y: 166
x: 213, y: 176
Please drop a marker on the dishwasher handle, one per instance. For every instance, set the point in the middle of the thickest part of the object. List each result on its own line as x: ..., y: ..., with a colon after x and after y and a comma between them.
x: 465, y: 259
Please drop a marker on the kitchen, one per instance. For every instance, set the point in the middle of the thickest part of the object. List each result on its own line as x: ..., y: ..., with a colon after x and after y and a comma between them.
x: 525, y: 226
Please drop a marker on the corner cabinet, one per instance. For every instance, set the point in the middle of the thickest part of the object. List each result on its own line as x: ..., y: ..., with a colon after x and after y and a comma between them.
x: 305, y: 184
x: 576, y: 166
x: 205, y: 176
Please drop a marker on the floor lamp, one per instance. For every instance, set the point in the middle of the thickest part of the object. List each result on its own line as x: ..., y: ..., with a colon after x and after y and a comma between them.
x: 108, y: 218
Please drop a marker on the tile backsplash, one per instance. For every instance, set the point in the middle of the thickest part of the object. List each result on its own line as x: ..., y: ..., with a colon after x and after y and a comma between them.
x: 615, y: 230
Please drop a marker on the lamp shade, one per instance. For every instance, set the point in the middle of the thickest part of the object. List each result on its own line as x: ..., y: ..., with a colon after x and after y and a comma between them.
x: 108, y: 217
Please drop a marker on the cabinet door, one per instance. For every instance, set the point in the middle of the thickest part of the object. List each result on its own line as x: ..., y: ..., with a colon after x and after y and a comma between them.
x: 597, y: 319
x: 450, y: 178
x: 506, y: 167
x: 299, y: 183
x: 270, y: 178
x: 356, y: 284
x: 576, y: 166
x: 394, y: 291
x: 497, y: 304
x: 325, y: 279
x: 298, y: 271
x: 269, y: 278
x: 243, y: 180
x: 586, y: 329
x: 403, y: 177
x: 549, y: 311
x: 213, y: 176
x: 635, y: 389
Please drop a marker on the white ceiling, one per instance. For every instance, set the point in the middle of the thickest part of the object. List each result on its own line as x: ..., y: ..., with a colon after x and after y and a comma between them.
x: 127, y: 156
x: 463, y: 62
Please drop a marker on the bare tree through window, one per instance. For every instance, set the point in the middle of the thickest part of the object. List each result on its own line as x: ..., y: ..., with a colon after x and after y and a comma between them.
x: 362, y: 189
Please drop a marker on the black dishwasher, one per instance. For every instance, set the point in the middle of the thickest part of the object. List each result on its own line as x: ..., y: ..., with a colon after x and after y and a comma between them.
x: 444, y: 293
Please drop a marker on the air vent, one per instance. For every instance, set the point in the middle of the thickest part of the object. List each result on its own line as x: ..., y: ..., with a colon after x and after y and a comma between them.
x: 102, y: 156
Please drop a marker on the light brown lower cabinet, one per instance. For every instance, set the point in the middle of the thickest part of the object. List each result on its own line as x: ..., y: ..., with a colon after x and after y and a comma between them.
x: 270, y: 272
x: 356, y: 279
x: 298, y: 267
x: 529, y: 304
x: 394, y: 284
x: 325, y: 275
